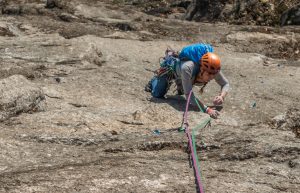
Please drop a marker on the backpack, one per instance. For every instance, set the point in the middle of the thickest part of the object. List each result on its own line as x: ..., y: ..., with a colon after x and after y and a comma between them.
x: 161, y: 82
x: 194, y: 53
x: 169, y: 62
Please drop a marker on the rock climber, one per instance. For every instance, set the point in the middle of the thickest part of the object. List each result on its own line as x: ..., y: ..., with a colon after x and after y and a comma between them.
x: 196, y: 67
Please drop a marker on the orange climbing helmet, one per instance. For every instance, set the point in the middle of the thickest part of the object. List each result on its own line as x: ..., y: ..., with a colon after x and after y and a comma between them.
x: 211, y: 63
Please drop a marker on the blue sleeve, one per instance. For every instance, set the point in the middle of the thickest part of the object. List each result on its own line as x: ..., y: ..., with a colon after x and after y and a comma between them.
x: 195, y: 52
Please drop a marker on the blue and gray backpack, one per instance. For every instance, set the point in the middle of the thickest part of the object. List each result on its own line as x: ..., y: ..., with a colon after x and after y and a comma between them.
x: 194, y: 53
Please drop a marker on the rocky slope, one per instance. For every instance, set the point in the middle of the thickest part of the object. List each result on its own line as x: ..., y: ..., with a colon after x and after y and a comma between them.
x: 75, y: 117
x: 250, y: 12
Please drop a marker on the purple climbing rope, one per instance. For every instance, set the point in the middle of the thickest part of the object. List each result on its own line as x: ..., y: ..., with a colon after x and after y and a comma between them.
x: 186, y: 127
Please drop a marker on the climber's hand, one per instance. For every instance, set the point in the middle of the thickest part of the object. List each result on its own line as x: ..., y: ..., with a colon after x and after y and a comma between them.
x: 212, y: 113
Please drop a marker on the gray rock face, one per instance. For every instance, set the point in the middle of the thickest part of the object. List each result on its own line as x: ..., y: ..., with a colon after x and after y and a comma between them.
x: 278, y: 121
x: 293, y: 121
x: 288, y: 121
x: 5, y: 31
x: 101, y: 132
x: 18, y: 95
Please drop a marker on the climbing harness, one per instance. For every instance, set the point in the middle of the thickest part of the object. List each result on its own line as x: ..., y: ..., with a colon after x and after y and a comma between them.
x: 192, y: 141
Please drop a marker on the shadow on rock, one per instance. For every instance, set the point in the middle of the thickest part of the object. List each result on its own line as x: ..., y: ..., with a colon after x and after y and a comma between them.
x: 176, y: 101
